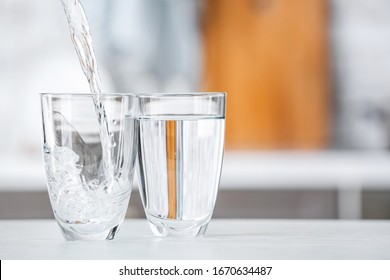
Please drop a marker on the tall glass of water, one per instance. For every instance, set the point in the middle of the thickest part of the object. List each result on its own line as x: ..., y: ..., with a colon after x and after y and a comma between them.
x: 181, y: 145
x: 89, y: 153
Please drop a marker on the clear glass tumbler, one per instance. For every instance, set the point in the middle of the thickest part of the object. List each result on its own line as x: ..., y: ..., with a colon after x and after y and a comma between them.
x: 181, y: 145
x: 89, y: 153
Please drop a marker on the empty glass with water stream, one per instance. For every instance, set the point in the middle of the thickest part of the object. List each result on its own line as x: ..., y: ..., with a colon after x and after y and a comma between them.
x: 89, y: 154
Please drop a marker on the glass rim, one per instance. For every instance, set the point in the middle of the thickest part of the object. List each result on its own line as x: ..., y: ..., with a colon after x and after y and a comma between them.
x: 57, y: 94
x: 142, y: 95
x: 182, y: 94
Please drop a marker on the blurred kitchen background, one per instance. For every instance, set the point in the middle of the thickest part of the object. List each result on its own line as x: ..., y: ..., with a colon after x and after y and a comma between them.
x: 308, y: 83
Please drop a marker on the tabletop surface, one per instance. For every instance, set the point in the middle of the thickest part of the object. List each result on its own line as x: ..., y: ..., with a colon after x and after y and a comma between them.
x: 224, y: 239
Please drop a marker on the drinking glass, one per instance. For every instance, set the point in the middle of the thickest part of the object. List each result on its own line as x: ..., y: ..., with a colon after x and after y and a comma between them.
x: 89, y: 154
x: 181, y: 144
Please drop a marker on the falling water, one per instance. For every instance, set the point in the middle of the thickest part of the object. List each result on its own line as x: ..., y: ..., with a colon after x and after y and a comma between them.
x: 82, y: 41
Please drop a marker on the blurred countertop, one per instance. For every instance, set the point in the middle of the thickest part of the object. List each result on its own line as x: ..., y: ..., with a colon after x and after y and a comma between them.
x: 251, y: 170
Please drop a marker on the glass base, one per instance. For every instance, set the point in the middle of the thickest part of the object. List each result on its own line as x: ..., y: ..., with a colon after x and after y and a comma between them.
x: 108, y: 234
x: 175, y: 228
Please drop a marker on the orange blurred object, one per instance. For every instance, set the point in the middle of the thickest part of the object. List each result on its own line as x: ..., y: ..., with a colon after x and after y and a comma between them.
x: 172, y: 160
x: 272, y: 58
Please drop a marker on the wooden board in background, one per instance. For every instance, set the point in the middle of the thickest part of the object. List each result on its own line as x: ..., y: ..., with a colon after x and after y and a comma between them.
x: 271, y: 57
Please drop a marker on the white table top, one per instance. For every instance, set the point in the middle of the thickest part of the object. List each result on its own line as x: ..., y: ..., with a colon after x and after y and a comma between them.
x: 225, y: 239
